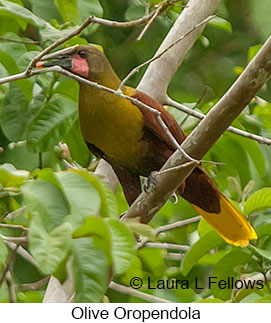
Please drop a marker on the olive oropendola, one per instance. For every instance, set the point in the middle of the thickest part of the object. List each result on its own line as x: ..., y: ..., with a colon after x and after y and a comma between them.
x: 132, y: 140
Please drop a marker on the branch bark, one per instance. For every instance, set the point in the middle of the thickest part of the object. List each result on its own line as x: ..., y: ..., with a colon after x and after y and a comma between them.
x: 160, y: 72
x: 198, y: 143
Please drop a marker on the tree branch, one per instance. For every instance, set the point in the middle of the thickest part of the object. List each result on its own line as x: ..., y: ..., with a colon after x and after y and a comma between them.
x: 160, y: 72
x: 198, y: 143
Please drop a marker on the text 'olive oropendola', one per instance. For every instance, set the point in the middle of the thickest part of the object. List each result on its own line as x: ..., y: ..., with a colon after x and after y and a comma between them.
x: 132, y: 140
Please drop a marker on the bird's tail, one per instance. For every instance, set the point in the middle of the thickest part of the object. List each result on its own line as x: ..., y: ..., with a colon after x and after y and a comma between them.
x: 229, y: 223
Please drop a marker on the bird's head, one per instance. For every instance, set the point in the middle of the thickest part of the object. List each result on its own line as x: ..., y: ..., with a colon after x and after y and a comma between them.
x: 84, y: 60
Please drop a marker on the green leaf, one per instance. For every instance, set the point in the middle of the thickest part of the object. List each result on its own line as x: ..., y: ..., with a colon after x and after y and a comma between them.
x: 14, y: 49
x: 14, y: 10
x: 253, y: 51
x: 83, y: 198
x: 69, y: 88
x: 244, y: 292
x: 25, y: 58
x: 123, y: 245
x: 47, y: 175
x: 134, y: 270
x: 221, y: 23
x: 264, y: 112
x: 141, y: 229
x: 12, y: 178
x: 94, y: 226
x: 259, y: 200
x: 47, y: 200
x: 266, y: 254
x: 90, y: 269
x: 263, y: 225
x: 3, y: 253
x: 15, y: 116
x: 77, y: 146
x: 231, y: 152
x: 52, y: 122
x: 87, y: 8
x: 204, y: 227
x: 255, y: 153
x: 225, y: 269
x: 259, y: 11
x: 134, y: 12
x: 45, y: 9
x: 207, y: 242
x: 210, y: 259
x: 109, y: 207
x: 68, y: 10
x: 153, y: 261
x: 49, y: 249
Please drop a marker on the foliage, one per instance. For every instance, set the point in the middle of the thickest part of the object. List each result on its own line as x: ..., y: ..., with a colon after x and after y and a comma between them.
x: 62, y: 204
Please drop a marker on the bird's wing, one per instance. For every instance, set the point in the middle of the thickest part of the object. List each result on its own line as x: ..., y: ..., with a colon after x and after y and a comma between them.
x: 152, y: 124
x: 199, y: 189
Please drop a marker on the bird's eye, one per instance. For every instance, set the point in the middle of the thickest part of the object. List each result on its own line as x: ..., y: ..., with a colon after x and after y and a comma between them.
x: 82, y: 53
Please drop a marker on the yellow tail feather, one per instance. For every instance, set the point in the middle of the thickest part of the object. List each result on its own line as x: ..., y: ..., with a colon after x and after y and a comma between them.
x: 229, y: 223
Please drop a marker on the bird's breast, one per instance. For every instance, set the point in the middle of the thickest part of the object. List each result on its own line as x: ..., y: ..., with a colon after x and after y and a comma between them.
x: 114, y: 125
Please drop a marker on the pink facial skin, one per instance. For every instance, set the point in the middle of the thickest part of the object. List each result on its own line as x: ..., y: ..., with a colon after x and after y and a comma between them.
x: 80, y: 66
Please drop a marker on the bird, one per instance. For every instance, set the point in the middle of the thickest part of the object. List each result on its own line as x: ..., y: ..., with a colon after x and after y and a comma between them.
x: 131, y: 139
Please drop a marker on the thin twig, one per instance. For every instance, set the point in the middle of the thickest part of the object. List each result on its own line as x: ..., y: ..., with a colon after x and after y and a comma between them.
x: 13, y: 214
x: 14, y: 226
x: 166, y: 245
x: 143, y: 32
x: 8, y: 265
x: 127, y: 24
x: 136, y: 293
x: 23, y: 253
x: 136, y: 69
x: 33, y: 286
x: 33, y: 42
x: 172, y: 138
x: 196, y: 105
x: 201, y: 116
x: 17, y: 240
x: 172, y: 226
x: 11, y: 289
x: 174, y: 256
x: 177, y: 225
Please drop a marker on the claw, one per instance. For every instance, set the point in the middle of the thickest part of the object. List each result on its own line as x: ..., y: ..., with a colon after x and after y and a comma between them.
x: 175, y: 198
x: 150, y: 183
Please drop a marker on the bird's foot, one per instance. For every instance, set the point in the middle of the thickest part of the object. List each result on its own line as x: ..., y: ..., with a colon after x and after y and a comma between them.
x: 150, y: 183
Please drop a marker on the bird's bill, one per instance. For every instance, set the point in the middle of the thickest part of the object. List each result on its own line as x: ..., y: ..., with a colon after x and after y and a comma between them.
x: 60, y: 58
